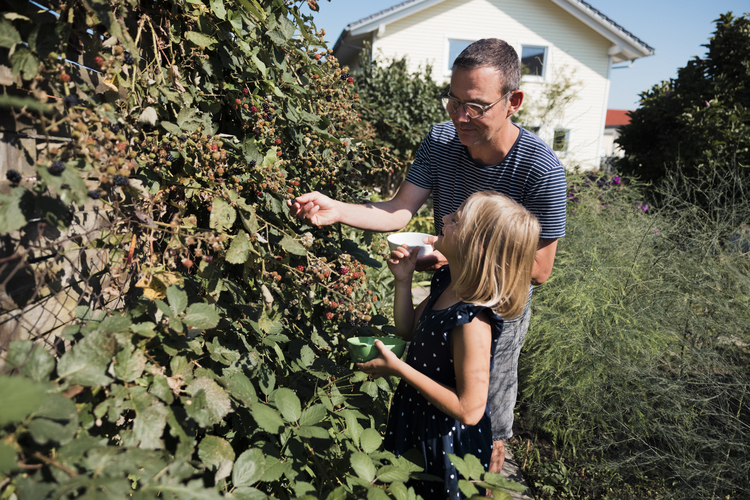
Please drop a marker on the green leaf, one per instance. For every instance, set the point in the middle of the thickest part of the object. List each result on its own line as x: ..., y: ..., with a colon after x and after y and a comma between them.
x: 8, y: 458
x: 24, y: 61
x: 202, y: 316
x: 313, y: 414
x: 292, y: 246
x: 56, y: 420
x: 370, y: 440
x: 267, y: 418
x: 216, y: 406
x: 34, y: 360
x: 145, y: 329
x: 129, y: 366
x: 115, y: 324
x: 247, y: 493
x: 239, y: 250
x: 288, y: 404
x: 11, y: 216
x: 149, y: 425
x: 217, y: 7
x: 248, y: 469
x: 467, y: 488
x: 363, y: 466
x: 399, y: 491
x: 177, y: 299
x: 9, y: 35
x: 460, y: 465
x: 20, y: 397
x: 170, y: 127
x: 240, y: 387
x: 267, y: 379
x: 309, y: 431
x: 217, y: 454
x: 370, y: 388
x: 86, y: 363
x: 391, y: 473
x: 374, y: 493
x: 201, y: 39
x: 222, y: 215
x: 476, y: 469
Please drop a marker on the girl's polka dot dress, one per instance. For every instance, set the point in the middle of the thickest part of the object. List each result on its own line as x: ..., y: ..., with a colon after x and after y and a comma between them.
x: 416, y: 423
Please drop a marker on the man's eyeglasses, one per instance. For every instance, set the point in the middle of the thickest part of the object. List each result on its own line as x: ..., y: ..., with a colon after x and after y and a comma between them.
x: 473, y: 110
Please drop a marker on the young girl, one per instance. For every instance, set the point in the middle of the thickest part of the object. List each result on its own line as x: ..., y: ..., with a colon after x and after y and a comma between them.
x: 440, y: 406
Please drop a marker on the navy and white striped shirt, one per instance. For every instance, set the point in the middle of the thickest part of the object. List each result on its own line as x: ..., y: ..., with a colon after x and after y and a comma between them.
x: 530, y: 174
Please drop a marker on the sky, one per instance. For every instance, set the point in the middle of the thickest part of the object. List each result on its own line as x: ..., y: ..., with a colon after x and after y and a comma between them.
x: 676, y: 29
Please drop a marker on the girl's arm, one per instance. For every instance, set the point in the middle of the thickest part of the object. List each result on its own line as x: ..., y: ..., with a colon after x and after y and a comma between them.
x: 401, y: 263
x: 471, y: 344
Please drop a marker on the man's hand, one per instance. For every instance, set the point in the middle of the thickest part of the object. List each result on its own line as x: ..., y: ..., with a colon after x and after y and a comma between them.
x: 434, y: 260
x: 318, y: 209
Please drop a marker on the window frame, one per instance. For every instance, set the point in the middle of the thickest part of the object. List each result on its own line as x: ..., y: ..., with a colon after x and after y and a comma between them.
x: 545, y: 62
x: 448, y: 65
x: 566, y: 138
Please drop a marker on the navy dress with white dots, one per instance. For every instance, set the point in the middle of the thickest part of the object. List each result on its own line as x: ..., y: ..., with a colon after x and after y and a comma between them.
x: 414, y: 422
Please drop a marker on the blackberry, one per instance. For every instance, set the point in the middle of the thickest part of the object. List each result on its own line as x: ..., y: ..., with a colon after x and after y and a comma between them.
x: 56, y: 168
x: 119, y: 180
x: 329, y: 98
x: 252, y: 163
x: 95, y: 194
x: 70, y: 100
x: 266, y: 106
x: 183, y: 138
x: 269, y: 117
x: 114, y: 127
x: 13, y: 176
x: 169, y: 157
x: 344, y: 76
x: 128, y: 59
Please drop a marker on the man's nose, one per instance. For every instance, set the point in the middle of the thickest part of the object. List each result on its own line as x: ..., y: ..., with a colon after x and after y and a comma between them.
x: 461, y: 114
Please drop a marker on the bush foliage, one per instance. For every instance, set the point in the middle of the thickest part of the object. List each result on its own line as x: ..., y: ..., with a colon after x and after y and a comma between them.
x: 699, y: 117
x: 635, y: 365
x: 205, y: 357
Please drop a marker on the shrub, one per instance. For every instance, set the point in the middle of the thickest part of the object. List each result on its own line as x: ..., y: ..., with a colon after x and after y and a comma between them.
x: 701, y: 117
x: 635, y: 365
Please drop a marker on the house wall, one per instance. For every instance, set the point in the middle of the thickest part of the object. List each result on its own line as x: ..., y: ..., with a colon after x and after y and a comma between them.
x: 573, y: 49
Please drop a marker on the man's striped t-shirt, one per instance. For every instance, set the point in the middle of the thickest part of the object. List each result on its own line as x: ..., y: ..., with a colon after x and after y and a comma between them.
x: 530, y: 174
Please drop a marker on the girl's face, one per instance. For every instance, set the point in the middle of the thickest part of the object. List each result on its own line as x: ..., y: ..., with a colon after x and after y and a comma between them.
x: 447, y: 243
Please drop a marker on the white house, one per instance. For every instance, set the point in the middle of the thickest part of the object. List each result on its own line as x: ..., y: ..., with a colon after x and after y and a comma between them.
x: 557, y: 40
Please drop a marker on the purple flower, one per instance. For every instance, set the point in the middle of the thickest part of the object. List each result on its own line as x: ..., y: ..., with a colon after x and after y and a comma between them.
x: 644, y: 208
x: 576, y: 200
x: 655, y: 230
x: 616, y: 179
x: 570, y: 195
x: 707, y: 103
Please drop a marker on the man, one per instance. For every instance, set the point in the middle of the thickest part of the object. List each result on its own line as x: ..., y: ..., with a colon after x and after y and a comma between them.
x: 479, y: 149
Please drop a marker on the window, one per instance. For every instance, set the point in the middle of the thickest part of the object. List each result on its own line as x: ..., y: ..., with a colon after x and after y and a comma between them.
x: 533, y: 61
x: 455, y: 47
x: 560, y: 140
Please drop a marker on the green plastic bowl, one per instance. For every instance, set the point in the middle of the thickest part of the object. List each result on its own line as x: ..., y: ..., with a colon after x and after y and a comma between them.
x: 363, y: 349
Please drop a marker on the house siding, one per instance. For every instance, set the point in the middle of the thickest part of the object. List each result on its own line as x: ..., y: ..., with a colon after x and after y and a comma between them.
x: 573, y: 49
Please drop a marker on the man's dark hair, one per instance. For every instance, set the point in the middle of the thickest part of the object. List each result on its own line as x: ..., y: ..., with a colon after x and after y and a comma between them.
x: 494, y: 53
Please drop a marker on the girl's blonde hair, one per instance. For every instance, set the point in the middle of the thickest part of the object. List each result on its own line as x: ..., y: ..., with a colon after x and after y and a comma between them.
x: 497, y: 240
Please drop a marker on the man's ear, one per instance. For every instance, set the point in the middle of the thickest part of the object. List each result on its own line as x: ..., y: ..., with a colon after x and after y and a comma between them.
x: 515, y: 101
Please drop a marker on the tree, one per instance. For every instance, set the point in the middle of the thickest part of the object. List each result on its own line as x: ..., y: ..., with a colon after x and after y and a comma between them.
x: 699, y: 120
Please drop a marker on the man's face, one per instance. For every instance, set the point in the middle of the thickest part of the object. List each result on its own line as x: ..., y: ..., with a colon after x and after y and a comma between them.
x: 481, y: 86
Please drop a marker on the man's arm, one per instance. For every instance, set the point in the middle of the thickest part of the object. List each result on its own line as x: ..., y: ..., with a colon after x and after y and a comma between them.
x: 544, y: 260
x: 391, y: 215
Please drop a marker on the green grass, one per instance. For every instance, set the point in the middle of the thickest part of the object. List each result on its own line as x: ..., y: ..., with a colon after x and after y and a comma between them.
x: 635, y: 369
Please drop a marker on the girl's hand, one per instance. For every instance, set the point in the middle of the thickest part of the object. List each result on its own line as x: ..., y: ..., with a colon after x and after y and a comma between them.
x: 402, y: 263
x: 386, y: 364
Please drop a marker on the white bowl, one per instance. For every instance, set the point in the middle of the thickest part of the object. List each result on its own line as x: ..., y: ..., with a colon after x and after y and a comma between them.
x: 413, y: 240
